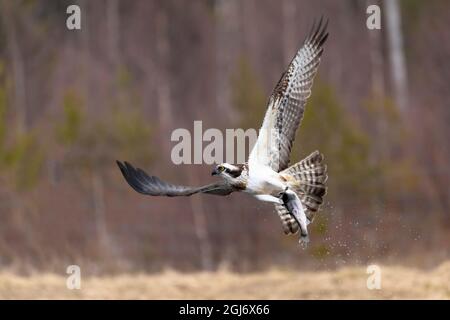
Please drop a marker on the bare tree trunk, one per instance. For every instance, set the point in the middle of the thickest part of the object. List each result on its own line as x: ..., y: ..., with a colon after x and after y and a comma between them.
x: 227, y: 45
x: 378, y: 97
x: 201, y: 227
x: 97, y: 184
x: 378, y: 87
x: 99, y: 212
x: 86, y: 61
x: 163, y: 85
x: 398, y: 74
x: 113, y: 27
x: 8, y: 9
x: 376, y: 61
x: 397, y: 54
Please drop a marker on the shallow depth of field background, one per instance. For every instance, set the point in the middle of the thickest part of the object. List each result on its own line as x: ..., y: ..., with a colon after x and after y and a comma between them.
x: 72, y: 102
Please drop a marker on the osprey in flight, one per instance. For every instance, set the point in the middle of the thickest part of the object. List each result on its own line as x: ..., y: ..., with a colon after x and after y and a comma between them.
x: 298, y: 190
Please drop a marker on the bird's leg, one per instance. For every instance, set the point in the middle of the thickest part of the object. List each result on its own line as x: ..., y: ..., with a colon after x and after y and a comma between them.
x: 294, y: 206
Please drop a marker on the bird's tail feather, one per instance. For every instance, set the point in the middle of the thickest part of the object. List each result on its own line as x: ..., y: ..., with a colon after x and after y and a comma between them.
x: 307, y: 179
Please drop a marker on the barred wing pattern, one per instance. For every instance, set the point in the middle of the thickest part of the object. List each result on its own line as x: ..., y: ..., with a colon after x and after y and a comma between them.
x: 153, y: 186
x: 287, y: 103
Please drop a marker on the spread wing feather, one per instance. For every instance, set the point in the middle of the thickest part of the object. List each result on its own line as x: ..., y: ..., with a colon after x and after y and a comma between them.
x: 287, y: 103
x: 153, y: 186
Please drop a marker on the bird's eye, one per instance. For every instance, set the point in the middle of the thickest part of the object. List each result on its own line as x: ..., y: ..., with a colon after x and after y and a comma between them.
x: 220, y: 168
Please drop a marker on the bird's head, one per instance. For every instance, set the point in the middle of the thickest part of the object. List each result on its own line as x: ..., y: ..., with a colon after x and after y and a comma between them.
x: 227, y: 171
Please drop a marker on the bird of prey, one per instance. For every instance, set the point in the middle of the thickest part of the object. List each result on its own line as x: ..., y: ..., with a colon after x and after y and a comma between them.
x: 297, y: 191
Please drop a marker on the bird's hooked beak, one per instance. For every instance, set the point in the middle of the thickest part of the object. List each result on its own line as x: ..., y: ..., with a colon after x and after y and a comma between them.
x: 215, y: 172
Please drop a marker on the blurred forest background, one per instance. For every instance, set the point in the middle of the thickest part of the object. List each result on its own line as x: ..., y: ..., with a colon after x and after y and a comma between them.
x: 72, y: 102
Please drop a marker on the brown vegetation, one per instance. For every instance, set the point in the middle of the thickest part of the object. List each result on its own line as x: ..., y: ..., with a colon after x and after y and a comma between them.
x: 345, y: 283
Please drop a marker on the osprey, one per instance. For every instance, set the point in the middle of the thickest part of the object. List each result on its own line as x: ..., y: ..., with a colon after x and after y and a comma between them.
x: 297, y: 191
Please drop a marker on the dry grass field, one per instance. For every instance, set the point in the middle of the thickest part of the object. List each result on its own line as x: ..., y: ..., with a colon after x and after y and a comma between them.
x: 345, y: 283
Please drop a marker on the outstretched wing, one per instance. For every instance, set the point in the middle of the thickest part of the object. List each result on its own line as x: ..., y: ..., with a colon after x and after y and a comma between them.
x: 153, y: 186
x: 287, y: 103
